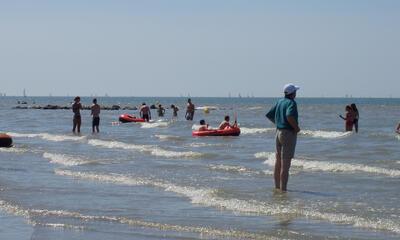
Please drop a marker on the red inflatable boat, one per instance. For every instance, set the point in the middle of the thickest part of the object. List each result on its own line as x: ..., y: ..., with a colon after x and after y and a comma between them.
x: 124, y: 118
x: 216, y: 132
x: 5, y: 140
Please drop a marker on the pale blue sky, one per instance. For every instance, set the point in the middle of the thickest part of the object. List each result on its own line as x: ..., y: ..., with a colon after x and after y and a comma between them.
x: 201, y: 48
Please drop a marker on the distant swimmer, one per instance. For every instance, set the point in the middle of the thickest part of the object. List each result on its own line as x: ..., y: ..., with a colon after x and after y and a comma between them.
x: 398, y: 128
x: 349, y: 119
x: 160, y: 110
x: 203, y: 125
x: 175, y: 110
x: 95, y: 112
x: 76, y: 107
x: 226, y: 124
x: 145, y: 112
x: 285, y: 116
x: 189, y: 110
x: 356, y: 116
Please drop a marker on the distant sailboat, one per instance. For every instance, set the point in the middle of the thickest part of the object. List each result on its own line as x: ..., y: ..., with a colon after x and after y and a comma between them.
x: 24, y: 93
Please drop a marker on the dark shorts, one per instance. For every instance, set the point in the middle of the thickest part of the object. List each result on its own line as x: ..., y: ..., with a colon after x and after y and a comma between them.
x: 146, y: 117
x: 96, y: 121
x: 77, y: 119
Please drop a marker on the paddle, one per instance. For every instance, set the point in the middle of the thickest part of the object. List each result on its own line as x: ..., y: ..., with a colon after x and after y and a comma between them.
x: 235, y: 124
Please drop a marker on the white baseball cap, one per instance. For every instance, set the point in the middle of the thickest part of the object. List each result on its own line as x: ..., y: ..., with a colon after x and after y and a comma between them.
x: 290, y: 88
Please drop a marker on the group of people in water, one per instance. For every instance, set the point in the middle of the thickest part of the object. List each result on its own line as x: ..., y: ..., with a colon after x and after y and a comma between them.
x: 144, y: 111
x: 77, y: 120
x: 283, y: 114
x: 351, y: 117
x: 225, y: 124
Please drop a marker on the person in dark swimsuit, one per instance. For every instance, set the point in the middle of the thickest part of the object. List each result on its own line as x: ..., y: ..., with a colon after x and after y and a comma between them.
x: 175, y: 109
x: 189, y: 110
x: 76, y: 107
x: 145, y: 112
x: 161, y: 110
x: 356, y: 116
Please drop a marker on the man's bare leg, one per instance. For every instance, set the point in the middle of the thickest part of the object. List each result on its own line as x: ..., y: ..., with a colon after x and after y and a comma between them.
x: 277, y: 170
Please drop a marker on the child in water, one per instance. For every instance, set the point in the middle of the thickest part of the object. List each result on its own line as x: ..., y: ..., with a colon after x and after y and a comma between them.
x: 203, y: 125
x: 349, y: 118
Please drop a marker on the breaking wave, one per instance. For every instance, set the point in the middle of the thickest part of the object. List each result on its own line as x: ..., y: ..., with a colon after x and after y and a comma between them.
x: 244, y: 130
x: 238, y: 169
x: 67, y: 160
x: 154, y: 124
x: 49, y: 137
x: 209, y: 198
x: 14, y: 150
x: 30, y: 213
x: 153, y: 150
x: 324, y: 134
x: 312, y: 165
x: 168, y: 137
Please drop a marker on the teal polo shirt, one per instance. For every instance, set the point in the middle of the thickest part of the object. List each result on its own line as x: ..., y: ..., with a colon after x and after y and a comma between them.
x: 278, y: 114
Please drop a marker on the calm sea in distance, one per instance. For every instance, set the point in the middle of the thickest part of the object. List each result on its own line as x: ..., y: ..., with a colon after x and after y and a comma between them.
x: 155, y: 181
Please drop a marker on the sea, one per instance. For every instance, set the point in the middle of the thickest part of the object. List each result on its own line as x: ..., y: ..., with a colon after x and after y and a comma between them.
x: 155, y: 181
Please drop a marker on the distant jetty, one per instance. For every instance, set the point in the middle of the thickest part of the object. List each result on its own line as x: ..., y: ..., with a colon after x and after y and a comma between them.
x: 58, y: 107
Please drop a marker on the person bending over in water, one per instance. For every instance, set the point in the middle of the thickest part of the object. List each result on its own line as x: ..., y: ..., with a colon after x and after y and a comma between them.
x: 76, y: 107
x: 349, y: 118
x: 145, y: 112
x: 160, y: 110
x: 203, y: 125
x: 356, y: 116
x: 95, y: 112
x: 225, y: 124
x: 175, y: 110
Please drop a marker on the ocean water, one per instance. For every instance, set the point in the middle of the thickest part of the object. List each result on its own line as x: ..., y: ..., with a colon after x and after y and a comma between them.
x: 156, y: 181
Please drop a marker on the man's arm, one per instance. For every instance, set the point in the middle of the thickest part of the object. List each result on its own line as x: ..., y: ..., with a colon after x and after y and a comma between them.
x: 293, y: 123
x: 271, y: 114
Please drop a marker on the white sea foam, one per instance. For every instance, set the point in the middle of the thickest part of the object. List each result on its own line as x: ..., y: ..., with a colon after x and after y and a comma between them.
x: 14, y: 150
x: 49, y: 137
x: 168, y: 137
x: 238, y: 169
x: 312, y: 165
x: 207, y: 107
x: 29, y: 213
x: 202, y: 144
x: 66, y: 160
x: 153, y: 150
x: 208, y: 197
x: 255, y: 108
x: 324, y: 134
x: 267, y: 155
x: 244, y: 130
x: 154, y: 124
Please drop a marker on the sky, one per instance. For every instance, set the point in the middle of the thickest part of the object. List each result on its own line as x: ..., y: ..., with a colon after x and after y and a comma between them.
x: 209, y: 48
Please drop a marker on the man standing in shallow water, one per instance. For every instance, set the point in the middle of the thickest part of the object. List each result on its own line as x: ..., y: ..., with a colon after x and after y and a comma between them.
x: 285, y: 116
x: 95, y: 112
